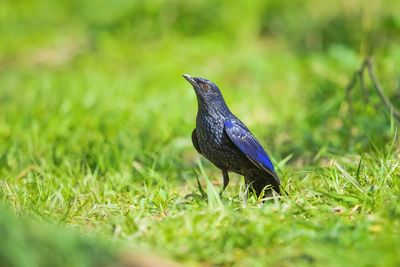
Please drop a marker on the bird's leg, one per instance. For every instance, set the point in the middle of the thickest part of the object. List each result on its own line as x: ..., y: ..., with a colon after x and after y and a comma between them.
x: 226, y: 180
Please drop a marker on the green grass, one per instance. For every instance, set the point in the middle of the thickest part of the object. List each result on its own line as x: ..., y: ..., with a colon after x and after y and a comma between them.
x: 95, y: 124
x: 27, y: 243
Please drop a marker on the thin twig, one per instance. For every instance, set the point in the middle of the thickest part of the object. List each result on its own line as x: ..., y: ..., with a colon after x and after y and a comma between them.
x: 362, y: 83
x: 359, y: 75
x: 381, y: 94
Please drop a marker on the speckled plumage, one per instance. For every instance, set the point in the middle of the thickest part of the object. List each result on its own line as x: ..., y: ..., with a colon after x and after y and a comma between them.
x: 225, y: 141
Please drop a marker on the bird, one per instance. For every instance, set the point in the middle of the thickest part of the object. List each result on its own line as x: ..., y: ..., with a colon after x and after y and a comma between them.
x: 226, y: 142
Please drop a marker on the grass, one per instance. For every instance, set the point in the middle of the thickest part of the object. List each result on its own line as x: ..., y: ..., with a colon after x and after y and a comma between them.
x: 96, y: 120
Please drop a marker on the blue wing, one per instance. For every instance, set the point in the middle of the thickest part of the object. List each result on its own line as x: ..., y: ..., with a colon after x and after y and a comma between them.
x: 246, y: 142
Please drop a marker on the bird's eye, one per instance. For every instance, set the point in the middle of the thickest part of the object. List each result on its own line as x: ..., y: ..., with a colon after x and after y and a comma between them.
x: 205, y: 86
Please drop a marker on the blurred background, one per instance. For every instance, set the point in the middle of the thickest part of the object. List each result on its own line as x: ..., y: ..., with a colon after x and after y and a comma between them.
x: 69, y: 67
x: 93, y: 104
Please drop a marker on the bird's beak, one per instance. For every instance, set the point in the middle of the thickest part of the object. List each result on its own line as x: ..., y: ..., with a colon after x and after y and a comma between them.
x: 190, y: 79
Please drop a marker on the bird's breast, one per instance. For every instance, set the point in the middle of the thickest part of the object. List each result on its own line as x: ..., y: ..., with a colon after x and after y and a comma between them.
x: 214, y: 143
x: 209, y: 131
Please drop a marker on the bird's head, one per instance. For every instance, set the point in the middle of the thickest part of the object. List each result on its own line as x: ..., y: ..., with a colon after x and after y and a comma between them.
x: 208, y: 94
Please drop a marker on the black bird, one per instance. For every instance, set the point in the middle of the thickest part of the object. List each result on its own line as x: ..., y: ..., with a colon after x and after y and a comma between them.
x: 225, y: 141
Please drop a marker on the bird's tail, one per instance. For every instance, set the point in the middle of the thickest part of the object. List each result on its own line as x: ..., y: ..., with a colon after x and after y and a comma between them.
x: 261, y: 181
